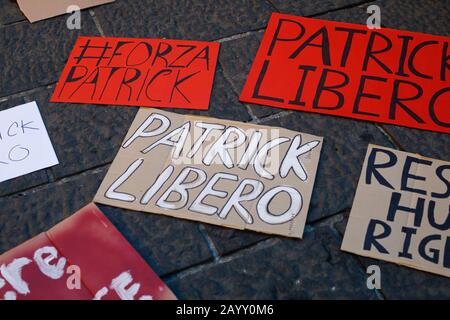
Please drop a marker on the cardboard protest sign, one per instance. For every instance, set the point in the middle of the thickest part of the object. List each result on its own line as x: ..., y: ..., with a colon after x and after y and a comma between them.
x: 342, y: 69
x: 25, y: 146
x: 139, y: 72
x: 43, y: 9
x: 401, y: 211
x: 82, y: 257
x: 221, y: 172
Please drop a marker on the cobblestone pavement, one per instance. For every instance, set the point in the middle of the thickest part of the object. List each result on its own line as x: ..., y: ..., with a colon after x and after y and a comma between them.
x: 202, y: 261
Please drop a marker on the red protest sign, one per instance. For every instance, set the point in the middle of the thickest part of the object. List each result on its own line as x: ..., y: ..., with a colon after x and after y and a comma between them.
x: 83, y: 257
x: 139, y: 72
x: 389, y: 76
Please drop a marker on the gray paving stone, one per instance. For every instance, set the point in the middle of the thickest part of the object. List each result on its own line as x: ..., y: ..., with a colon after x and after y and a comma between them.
x: 167, y: 244
x: 84, y: 136
x: 357, y: 14
x: 427, y: 143
x: 9, y: 103
x: 26, y: 181
x: 400, y: 282
x: 196, y: 20
x: 312, y: 268
x: 224, y: 103
x: 343, y: 152
x: 428, y: 16
x: 10, y: 12
x: 33, y: 55
x: 310, y: 8
x: 236, y: 58
x: 228, y: 240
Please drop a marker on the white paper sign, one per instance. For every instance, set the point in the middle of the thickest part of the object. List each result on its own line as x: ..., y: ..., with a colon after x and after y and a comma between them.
x: 25, y: 146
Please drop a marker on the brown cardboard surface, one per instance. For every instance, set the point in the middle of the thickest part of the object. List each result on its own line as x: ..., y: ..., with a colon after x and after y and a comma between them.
x: 44, y: 9
x: 418, y: 239
x: 277, y: 203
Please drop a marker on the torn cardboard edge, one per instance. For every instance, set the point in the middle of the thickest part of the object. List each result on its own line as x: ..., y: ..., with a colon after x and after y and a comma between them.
x: 36, y: 10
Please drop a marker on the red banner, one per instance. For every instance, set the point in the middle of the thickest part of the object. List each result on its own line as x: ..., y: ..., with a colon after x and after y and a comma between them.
x: 83, y: 257
x: 139, y: 72
x: 382, y: 75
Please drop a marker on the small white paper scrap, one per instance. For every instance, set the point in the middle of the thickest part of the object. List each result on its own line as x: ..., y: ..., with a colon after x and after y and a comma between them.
x: 25, y: 146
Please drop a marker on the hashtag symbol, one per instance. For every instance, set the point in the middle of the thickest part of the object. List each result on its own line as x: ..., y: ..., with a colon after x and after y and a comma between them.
x: 99, y: 57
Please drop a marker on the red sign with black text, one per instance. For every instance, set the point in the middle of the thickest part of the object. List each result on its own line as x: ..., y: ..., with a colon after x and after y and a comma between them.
x: 382, y: 75
x: 83, y: 257
x: 139, y: 72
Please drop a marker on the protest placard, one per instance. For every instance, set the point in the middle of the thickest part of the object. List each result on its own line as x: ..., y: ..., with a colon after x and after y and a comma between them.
x: 401, y: 211
x: 25, y: 146
x: 342, y: 69
x: 221, y: 172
